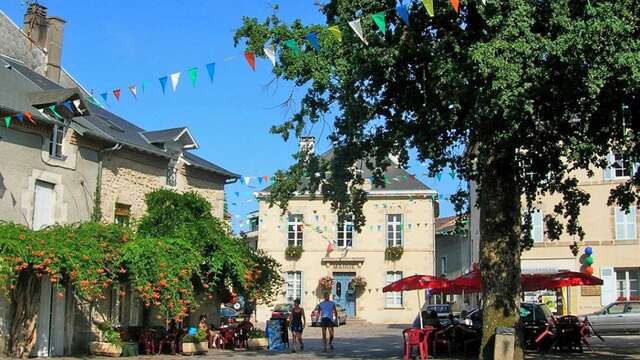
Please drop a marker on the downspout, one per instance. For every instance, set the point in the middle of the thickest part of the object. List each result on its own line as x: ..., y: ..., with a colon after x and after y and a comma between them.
x: 97, y: 212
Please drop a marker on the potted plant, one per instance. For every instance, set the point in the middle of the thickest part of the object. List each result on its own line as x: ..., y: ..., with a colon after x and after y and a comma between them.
x: 293, y: 252
x: 109, y: 342
x: 257, y: 340
x: 393, y: 253
x: 358, y: 283
x: 325, y: 283
x: 195, y: 343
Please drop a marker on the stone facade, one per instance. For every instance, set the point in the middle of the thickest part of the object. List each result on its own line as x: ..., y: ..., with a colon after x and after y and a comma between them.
x: 366, y: 256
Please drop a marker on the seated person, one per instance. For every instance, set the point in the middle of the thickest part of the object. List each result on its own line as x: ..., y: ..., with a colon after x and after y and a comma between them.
x: 432, y: 320
x: 416, y: 321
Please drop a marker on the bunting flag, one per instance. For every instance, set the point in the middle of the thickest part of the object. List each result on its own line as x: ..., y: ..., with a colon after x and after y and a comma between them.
x: 452, y: 173
x: 7, y: 121
x: 163, y: 82
x: 403, y: 13
x: 211, y: 69
x: 293, y: 45
x: 68, y: 105
x: 237, y: 194
x: 116, y: 94
x: 134, y: 91
x: 270, y: 52
x: 143, y: 85
x: 380, y: 21
x: 335, y: 30
x: 251, y: 59
x: 104, y: 96
x: 20, y: 117
x: 193, y: 75
x: 247, y: 179
x: 259, y: 180
x: 313, y: 39
x: 456, y: 5
x: 266, y: 178
x: 428, y: 4
x: 330, y: 247
x: 357, y: 28
x: 439, y: 176
x: 175, y: 78
x: 54, y: 112
x: 29, y: 117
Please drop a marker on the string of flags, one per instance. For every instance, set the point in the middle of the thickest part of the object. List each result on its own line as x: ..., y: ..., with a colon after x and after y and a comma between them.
x: 53, y: 112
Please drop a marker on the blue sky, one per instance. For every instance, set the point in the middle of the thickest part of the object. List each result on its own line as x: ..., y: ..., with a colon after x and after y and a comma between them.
x: 114, y: 44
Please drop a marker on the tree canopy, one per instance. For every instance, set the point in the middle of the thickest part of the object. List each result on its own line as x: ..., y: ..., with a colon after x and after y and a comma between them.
x: 514, y: 96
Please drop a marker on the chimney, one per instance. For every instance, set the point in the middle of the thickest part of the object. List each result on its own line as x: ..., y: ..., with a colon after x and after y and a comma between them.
x: 308, y: 144
x: 46, y: 33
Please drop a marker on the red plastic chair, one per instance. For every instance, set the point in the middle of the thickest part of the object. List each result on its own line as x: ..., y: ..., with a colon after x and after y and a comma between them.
x: 414, y: 338
x: 148, y: 342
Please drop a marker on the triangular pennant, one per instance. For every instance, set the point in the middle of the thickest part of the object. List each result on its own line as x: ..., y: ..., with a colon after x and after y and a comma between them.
x: 266, y: 178
x: 313, y: 39
x: 20, y: 117
x: 330, y: 247
x: 163, y: 82
x: 28, y: 116
x: 259, y: 180
x: 452, y: 173
x: 193, y: 75
x: 357, y: 28
x: 134, y: 91
x: 439, y: 176
x: 143, y: 85
x: 68, y: 105
x: 7, y: 121
x: 54, y: 112
x: 251, y: 59
x: 335, y: 30
x: 104, y: 96
x: 428, y: 4
x: 237, y: 194
x: 211, y: 69
x: 247, y: 180
x: 116, y: 94
x: 403, y: 13
x: 270, y: 53
x: 293, y: 45
x: 175, y: 78
x: 456, y: 5
x: 380, y: 21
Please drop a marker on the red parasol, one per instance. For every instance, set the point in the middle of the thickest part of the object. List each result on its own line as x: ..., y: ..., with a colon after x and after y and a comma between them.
x: 417, y: 282
x: 532, y: 282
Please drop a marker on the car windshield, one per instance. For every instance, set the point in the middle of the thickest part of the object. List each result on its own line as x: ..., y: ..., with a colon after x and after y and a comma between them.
x: 226, y: 312
x: 534, y: 312
x: 282, y: 307
x: 438, y: 308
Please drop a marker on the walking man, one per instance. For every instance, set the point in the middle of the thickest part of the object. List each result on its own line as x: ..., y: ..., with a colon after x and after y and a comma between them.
x: 328, y: 313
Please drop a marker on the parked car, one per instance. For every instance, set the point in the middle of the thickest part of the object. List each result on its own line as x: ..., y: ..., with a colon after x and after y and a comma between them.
x: 341, y: 320
x: 443, y: 311
x: 281, y: 311
x: 228, y: 316
x: 617, y: 317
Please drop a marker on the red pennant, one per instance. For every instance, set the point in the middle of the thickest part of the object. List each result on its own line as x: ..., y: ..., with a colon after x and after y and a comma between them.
x: 330, y: 247
x: 28, y: 116
x: 456, y: 5
x: 265, y: 178
x: 251, y: 59
x: 116, y: 93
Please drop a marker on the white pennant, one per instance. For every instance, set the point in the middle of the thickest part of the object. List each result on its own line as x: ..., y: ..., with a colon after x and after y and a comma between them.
x: 247, y: 179
x: 271, y: 54
x: 357, y: 27
x: 134, y: 91
x: 175, y: 77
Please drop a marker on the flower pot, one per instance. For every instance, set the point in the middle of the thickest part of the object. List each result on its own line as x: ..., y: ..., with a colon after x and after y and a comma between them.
x: 202, y: 347
x: 188, y: 348
x: 257, y: 344
x: 100, y: 348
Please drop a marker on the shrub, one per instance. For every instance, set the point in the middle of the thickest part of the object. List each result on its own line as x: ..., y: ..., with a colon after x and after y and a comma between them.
x: 110, y: 334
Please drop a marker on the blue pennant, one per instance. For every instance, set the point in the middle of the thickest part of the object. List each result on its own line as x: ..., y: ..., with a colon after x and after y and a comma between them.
x: 313, y: 39
x: 163, y: 82
x: 104, y: 96
x: 20, y: 117
x: 67, y: 104
x: 211, y: 69
x: 403, y: 13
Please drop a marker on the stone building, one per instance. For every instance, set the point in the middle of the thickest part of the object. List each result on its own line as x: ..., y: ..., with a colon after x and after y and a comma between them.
x: 76, y: 162
x: 401, y: 214
x: 609, y: 231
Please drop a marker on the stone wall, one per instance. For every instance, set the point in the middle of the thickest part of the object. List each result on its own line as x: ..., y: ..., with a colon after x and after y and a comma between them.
x: 128, y: 176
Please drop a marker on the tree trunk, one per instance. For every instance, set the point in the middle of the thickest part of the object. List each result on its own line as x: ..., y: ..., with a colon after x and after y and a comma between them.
x: 500, y: 229
x: 25, y: 305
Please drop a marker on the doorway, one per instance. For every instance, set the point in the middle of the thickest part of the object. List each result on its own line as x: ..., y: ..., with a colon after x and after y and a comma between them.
x: 343, y: 295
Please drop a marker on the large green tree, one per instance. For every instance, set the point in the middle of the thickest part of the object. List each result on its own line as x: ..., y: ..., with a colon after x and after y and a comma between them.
x: 515, y: 96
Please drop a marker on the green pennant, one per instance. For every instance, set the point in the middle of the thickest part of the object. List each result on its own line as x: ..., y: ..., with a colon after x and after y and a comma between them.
x: 143, y: 85
x: 428, y: 4
x: 55, y: 113
x: 193, y: 75
x: 7, y: 120
x: 379, y: 19
x: 293, y: 45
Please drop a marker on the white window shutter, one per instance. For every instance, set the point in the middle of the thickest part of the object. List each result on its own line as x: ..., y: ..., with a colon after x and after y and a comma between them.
x: 537, y: 227
x: 301, y: 287
x: 608, y: 290
x: 619, y: 220
x: 631, y: 223
x: 609, y: 170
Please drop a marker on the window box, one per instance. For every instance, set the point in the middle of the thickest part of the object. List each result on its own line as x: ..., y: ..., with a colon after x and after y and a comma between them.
x: 393, y: 253
x: 293, y: 252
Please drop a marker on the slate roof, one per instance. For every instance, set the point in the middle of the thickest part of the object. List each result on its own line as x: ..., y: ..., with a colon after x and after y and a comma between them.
x: 398, y: 179
x: 166, y: 135
x: 100, y: 123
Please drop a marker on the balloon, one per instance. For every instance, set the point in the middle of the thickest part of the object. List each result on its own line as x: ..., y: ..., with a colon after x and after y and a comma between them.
x: 588, y: 260
x: 589, y: 270
x: 588, y: 250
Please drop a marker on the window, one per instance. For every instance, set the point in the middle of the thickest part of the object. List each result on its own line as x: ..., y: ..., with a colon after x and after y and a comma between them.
x: 393, y: 299
x: 394, y: 230
x: 294, y: 230
x: 537, y: 227
x: 619, y: 167
x: 616, y: 309
x: 627, y: 284
x: 345, y: 231
x: 625, y: 224
x: 254, y: 224
x: 122, y: 214
x: 293, y: 283
x: 172, y: 174
x: 443, y: 265
x: 55, y: 141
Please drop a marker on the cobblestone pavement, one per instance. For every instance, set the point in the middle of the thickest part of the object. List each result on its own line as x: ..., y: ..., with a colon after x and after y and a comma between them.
x: 384, y: 342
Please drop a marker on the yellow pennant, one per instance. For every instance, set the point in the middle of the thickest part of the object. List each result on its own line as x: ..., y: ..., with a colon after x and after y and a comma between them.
x: 335, y: 30
x: 428, y: 4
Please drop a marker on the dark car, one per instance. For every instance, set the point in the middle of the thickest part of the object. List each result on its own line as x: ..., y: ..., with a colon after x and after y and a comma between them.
x: 228, y: 316
x: 281, y: 311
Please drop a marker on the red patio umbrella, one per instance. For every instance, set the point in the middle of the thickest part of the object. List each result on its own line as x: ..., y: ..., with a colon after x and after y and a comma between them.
x: 417, y: 282
x: 532, y: 282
